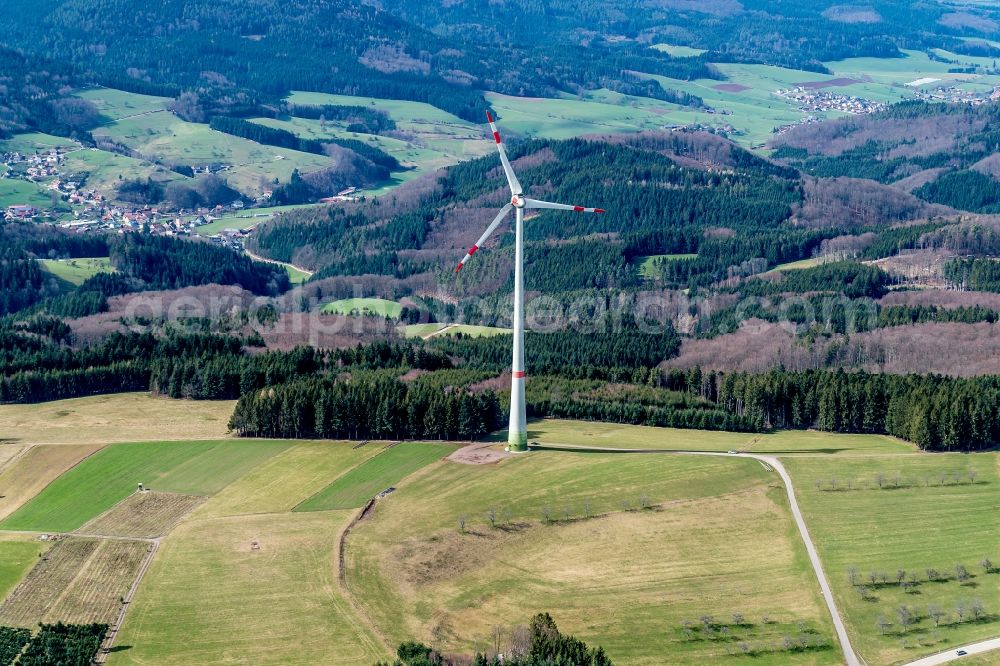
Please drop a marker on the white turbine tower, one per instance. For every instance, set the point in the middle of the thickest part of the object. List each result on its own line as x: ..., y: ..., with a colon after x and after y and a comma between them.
x: 517, y: 438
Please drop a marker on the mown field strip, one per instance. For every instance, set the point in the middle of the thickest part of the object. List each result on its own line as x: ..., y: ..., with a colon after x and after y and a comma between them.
x: 376, y: 474
x: 107, y: 477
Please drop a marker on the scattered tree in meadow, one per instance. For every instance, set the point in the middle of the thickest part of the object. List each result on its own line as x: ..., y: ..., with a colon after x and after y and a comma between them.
x: 905, y: 617
x: 882, y: 623
x: 935, y: 612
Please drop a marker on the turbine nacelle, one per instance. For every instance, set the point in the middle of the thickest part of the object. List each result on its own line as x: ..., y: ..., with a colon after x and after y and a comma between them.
x: 518, y: 201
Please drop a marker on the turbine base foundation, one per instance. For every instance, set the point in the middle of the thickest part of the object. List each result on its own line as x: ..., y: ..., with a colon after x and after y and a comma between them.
x: 517, y: 442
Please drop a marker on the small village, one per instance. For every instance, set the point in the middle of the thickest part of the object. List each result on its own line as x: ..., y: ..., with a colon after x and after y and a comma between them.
x: 811, y: 100
x: 92, y: 211
x: 956, y: 95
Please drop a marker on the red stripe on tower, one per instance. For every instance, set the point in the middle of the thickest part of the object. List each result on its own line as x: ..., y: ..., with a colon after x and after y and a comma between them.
x: 472, y: 250
x: 579, y: 209
x: 496, y: 136
x: 519, y: 374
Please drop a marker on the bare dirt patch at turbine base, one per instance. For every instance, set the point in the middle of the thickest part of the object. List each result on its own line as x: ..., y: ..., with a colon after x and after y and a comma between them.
x: 479, y: 454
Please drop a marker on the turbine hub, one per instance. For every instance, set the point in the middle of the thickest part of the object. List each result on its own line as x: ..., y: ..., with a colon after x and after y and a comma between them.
x: 517, y: 201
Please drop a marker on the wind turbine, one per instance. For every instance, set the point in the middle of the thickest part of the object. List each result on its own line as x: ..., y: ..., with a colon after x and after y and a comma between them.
x: 517, y: 437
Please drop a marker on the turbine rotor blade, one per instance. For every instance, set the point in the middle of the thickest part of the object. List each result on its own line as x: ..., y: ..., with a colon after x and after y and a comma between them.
x: 535, y: 203
x: 486, y: 234
x: 515, y: 185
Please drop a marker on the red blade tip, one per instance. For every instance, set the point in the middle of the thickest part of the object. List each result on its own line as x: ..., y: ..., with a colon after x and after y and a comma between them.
x: 489, y: 116
x: 600, y: 210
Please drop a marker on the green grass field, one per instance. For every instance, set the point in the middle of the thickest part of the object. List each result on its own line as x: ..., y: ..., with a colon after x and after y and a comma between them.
x: 430, y: 330
x: 240, y: 221
x: 245, y: 219
x: 557, y: 432
x: 104, y: 171
x: 679, y: 51
x: 295, y: 275
x: 35, y: 142
x: 929, y: 521
x: 118, y: 104
x: 75, y: 271
x: 436, y: 138
x: 107, y: 477
x: 602, y: 112
x: 287, y: 479
x: 647, y: 268
x: 798, y: 265
x: 159, y: 134
x: 376, y: 474
x: 379, y: 307
x: 624, y: 579
x: 572, y: 540
x: 22, y: 193
x: 17, y: 555
x: 209, y: 598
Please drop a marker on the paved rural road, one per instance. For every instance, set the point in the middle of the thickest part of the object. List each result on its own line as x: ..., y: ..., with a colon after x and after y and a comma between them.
x: 952, y: 654
x: 850, y: 657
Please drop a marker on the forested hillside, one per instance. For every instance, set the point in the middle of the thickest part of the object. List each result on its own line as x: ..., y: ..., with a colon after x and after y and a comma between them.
x: 943, y: 154
x: 34, y: 96
x: 142, y: 262
x: 663, y: 208
x: 445, y: 54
